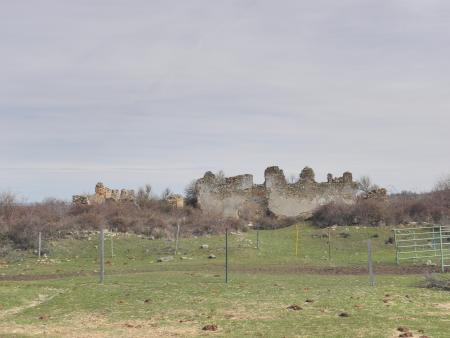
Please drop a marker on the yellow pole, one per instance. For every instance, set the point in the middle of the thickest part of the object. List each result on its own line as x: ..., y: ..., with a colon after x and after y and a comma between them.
x: 296, y: 241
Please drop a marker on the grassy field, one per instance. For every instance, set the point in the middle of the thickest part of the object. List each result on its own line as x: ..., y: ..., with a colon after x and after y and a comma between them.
x: 144, y: 298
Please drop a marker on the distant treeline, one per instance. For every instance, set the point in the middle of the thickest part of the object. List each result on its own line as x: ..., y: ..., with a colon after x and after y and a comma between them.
x: 153, y: 216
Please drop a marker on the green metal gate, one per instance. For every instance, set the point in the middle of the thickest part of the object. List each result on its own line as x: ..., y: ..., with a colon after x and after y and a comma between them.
x: 432, y: 242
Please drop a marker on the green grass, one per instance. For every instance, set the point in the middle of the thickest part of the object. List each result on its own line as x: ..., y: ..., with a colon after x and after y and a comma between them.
x: 277, y: 247
x: 185, y: 295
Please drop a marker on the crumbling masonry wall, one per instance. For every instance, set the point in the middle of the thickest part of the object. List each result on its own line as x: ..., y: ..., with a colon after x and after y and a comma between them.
x: 103, y: 194
x: 232, y: 196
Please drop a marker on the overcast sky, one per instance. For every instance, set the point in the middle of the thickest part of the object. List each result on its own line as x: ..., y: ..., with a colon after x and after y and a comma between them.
x: 134, y: 92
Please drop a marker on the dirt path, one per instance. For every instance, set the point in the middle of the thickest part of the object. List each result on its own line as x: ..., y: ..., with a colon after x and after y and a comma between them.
x: 18, y: 309
x: 267, y: 269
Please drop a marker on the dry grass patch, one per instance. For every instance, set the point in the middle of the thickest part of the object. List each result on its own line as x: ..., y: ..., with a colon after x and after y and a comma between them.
x: 98, y: 326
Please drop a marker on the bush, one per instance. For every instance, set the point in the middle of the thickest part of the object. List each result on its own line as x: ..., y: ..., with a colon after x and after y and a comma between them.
x: 333, y: 214
x: 433, y: 281
x: 431, y: 207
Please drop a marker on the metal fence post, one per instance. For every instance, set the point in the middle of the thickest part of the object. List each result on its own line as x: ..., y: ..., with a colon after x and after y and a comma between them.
x: 257, y: 238
x: 442, y: 249
x: 39, y: 244
x: 329, y: 244
x: 397, y: 260
x: 112, y: 245
x: 369, y: 259
x: 176, y: 241
x: 102, y: 255
x: 226, y: 255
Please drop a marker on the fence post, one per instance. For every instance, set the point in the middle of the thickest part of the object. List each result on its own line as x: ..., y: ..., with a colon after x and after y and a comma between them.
x: 178, y: 234
x: 442, y: 249
x: 226, y: 255
x: 396, y: 248
x: 112, y: 245
x: 296, y: 240
x: 369, y: 259
x: 329, y: 243
x: 39, y: 244
x: 102, y: 255
x: 257, y: 238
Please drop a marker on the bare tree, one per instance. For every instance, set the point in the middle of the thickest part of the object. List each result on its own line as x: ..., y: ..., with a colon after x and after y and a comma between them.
x: 365, y: 184
x: 144, y: 195
x: 166, y: 193
x: 8, y: 206
x: 220, y: 177
x: 443, y: 183
x: 190, y: 194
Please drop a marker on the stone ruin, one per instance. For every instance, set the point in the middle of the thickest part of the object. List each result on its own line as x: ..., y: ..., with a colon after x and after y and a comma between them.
x: 104, y: 194
x: 235, y: 195
x: 175, y: 201
x: 376, y: 194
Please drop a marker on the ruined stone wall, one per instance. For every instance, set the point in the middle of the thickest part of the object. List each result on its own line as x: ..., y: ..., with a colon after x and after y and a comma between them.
x: 232, y: 196
x: 306, y: 195
x: 226, y: 197
x: 103, y: 194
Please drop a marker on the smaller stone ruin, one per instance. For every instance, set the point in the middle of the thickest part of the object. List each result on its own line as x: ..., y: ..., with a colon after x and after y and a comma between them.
x: 376, y: 194
x: 104, y: 194
x: 176, y: 201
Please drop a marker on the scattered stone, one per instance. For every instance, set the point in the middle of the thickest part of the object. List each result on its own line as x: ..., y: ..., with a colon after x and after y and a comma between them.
x: 344, y: 314
x: 44, y: 317
x: 406, y: 334
x: 185, y: 258
x: 165, y: 259
x: 309, y: 301
x: 148, y: 300
x: 402, y: 329
x: 212, y: 256
x: 390, y: 240
x: 210, y: 327
x: 344, y: 235
x: 204, y: 246
x: 294, y: 307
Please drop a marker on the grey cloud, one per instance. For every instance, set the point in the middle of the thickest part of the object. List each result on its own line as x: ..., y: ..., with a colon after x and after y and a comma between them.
x: 176, y: 86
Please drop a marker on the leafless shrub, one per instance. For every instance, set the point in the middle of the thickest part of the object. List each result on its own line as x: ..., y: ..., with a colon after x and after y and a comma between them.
x: 190, y: 194
x: 365, y: 185
x: 331, y: 214
x: 433, y: 281
x: 431, y: 207
x: 443, y: 183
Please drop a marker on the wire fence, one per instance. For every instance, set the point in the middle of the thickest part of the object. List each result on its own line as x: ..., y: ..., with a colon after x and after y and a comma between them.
x: 298, y: 249
x: 421, y: 243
